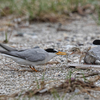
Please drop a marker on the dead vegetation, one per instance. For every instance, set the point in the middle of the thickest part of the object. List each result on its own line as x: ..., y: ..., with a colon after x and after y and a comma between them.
x: 48, y: 11
x: 67, y: 86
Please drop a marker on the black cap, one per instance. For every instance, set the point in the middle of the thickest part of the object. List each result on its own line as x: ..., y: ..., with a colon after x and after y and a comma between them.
x: 96, y: 42
x: 50, y: 50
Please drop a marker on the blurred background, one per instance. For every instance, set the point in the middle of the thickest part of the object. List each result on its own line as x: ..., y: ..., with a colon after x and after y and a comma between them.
x: 15, y: 12
x: 48, y: 10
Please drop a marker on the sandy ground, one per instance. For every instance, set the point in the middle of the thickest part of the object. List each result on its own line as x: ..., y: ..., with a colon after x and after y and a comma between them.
x: 80, y: 32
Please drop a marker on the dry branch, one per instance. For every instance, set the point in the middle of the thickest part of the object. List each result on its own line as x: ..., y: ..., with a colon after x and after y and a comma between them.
x: 84, y: 66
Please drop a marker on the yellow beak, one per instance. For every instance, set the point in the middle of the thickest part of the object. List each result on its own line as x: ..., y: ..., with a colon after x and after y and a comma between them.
x: 61, y: 53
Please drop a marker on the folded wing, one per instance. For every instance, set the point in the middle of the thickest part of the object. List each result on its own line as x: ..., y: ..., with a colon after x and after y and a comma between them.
x: 32, y: 55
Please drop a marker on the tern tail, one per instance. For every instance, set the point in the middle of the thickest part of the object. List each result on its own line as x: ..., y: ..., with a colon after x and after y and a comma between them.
x: 7, y: 48
x: 5, y: 52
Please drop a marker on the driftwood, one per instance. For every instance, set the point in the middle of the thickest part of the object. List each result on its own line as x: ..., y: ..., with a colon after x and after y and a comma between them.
x: 84, y: 66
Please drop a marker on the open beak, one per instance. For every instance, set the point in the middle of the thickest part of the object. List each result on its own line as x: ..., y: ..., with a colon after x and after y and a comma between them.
x: 61, y: 53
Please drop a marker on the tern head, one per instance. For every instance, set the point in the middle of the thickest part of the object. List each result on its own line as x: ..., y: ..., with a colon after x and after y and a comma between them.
x: 75, y: 50
x: 50, y: 50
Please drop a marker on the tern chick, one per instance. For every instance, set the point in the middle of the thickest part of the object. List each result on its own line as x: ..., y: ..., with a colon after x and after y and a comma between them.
x: 87, y: 54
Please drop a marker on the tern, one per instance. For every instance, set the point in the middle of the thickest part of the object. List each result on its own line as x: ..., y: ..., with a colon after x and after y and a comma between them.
x: 91, y: 55
x: 32, y: 57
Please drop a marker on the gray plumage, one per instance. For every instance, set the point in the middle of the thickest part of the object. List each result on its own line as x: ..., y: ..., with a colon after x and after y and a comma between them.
x: 88, y: 59
x: 32, y: 55
x: 92, y: 55
x: 7, y: 48
x: 35, y: 54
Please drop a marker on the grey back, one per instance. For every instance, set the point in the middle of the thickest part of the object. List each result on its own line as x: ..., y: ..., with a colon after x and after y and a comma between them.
x: 33, y: 55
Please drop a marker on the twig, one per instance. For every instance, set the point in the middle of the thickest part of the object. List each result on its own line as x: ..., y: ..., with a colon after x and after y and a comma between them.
x: 86, y: 91
x: 83, y: 66
x: 90, y: 74
x: 52, y: 63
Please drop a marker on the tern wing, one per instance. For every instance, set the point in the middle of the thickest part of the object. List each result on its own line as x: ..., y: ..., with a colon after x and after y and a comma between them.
x: 95, y: 52
x: 7, y: 47
x: 32, y: 55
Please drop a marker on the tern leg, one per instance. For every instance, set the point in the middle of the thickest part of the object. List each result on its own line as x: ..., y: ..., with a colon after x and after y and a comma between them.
x: 81, y: 58
x: 33, y: 69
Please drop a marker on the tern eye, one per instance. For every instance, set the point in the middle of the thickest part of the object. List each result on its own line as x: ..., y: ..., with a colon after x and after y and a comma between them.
x: 73, y: 50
